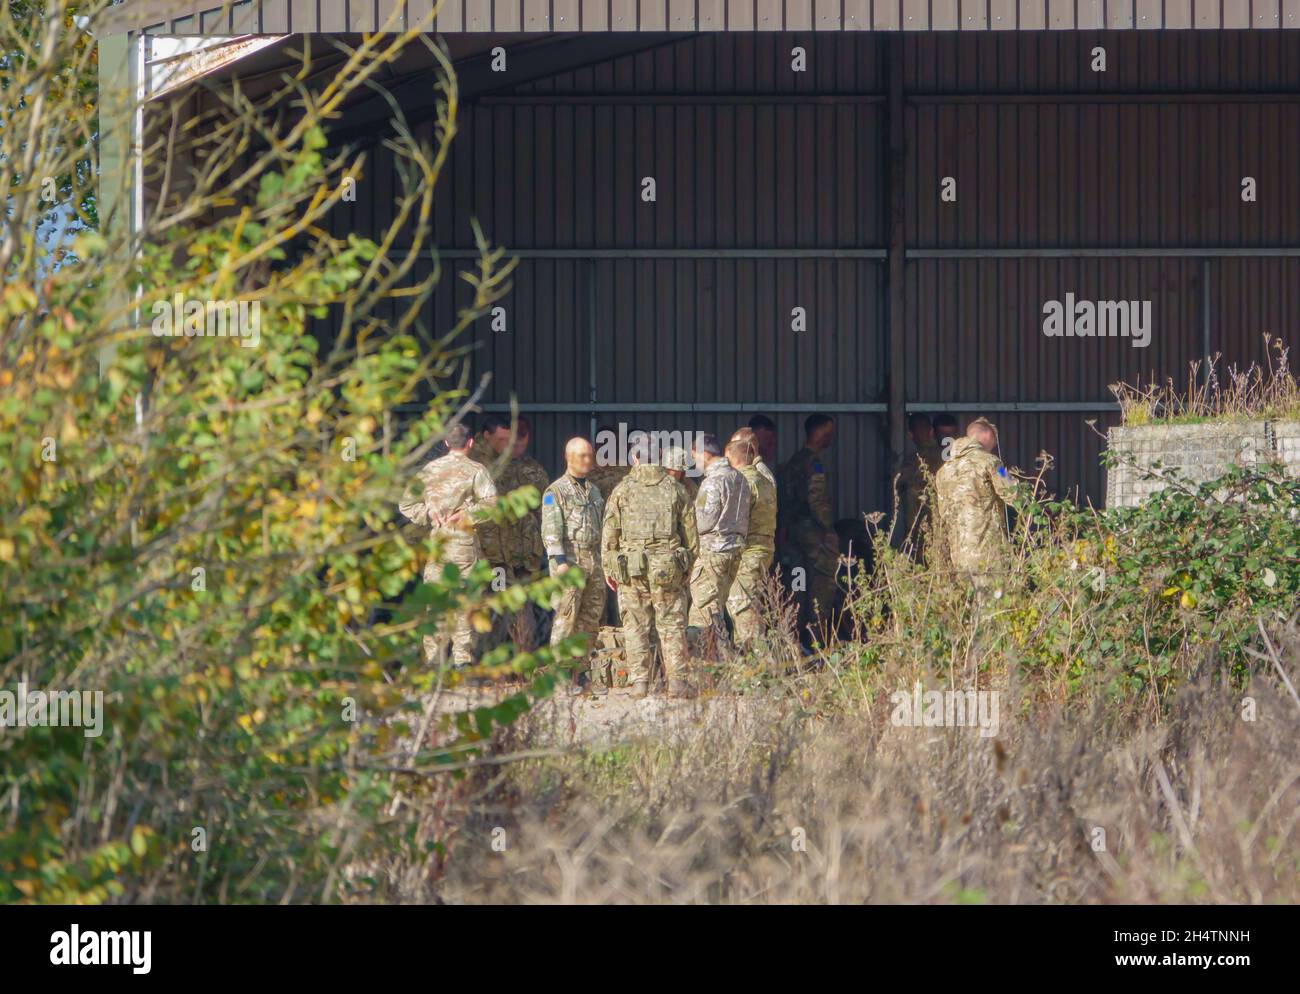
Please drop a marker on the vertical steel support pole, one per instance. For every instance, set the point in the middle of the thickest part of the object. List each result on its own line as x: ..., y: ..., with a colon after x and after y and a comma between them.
x: 896, y: 204
x: 591, y: 342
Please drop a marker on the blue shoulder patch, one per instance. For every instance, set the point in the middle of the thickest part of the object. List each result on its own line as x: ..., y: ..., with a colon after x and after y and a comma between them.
x: 549, y: 499
x: 817, y: 467
x: 1002, y: 471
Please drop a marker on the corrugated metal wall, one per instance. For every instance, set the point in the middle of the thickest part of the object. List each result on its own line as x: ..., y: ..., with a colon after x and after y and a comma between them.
x: 771, y: 191
x: 656, y: 318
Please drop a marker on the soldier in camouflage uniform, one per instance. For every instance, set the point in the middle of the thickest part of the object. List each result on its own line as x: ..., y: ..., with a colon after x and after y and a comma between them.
x: 722, y: 521
x: 525, y: 550
x: 807, y: 519
x: 446, y: 495
x: 972, y: 490
x: 489, y: 451
x: 512, y: 549
x: 760, y: 540
x: 913, y: 485
x: 606, y: 478
x: 572, y: 516
x: 649, y: 542
x: 751, y: 439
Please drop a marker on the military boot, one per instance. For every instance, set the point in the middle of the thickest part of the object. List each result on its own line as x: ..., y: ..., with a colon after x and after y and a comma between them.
x: 579, y: 683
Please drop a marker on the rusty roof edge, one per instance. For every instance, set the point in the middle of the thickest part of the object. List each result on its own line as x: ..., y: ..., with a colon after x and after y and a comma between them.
x: 185, y: 67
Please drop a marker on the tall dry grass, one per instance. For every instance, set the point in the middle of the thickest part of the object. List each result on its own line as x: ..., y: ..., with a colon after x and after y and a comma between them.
x: 1268, y: 391
x: 1147, y: 750
x: 1071, y: 802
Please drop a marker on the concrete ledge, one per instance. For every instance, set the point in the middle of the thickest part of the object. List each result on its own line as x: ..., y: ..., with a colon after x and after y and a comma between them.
x: 1196, y: 453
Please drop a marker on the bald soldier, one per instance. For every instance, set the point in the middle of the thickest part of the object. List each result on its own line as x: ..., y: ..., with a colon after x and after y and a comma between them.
x: 722, y: 520
x: 972, y: 490
x: 572, y: 516
x: 760, y: 540
x: 446, y: 495
x: 807, y: 517
x: 648, y: 544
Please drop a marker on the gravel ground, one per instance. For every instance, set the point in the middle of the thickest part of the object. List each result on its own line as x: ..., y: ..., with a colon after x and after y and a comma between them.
x: 601, y: 721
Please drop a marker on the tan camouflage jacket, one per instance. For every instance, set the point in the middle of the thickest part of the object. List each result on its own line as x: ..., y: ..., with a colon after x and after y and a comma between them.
x: 762, y: 508
x: 526, y: 549
x: 804, y: 491
x: 915, y: 477
x: 447, y: 485
x: 648, y: 520
x: 572, y: 515
x: 517, y: 546
x: 972, y: 490
x: 911, y: 478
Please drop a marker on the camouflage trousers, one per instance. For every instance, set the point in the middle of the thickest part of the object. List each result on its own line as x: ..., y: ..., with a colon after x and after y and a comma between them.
x: 522, y: 628
x: 643, y: 607
x: 711, y: 580
x: 820, y: 563
x: 747, y: 593
x: 579, y: 612
x: 462, y: 635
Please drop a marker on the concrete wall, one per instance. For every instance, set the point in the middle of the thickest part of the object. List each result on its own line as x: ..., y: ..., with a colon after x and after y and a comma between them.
x: 1196, y: 453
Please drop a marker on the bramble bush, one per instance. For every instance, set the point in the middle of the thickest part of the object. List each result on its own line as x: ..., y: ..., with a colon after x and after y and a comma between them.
x: 208, y: 534
x: 1129, y: 598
